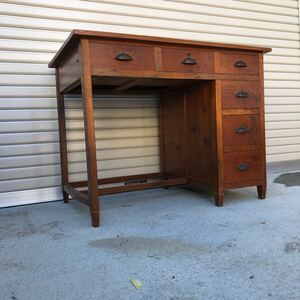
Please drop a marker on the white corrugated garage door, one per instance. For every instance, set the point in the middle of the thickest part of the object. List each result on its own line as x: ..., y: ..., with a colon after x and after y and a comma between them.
x: 31, y: 31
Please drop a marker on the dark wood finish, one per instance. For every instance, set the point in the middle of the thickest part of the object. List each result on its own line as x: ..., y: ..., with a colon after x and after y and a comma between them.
x: 241, y: 94
x: 90, y: 142
x: 229, y: 61
x: 262, y: 190
x: 211, y: 113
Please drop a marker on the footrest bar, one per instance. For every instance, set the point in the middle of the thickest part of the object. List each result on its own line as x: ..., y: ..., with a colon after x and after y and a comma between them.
x: 83, y: 198
x: 142, y: 186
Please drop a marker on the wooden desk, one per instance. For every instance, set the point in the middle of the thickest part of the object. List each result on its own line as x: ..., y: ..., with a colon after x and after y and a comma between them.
x: 212, y: 109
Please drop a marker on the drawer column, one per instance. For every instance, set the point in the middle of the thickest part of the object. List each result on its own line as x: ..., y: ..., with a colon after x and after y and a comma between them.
x: 242, y: 113
x: 243, y: 138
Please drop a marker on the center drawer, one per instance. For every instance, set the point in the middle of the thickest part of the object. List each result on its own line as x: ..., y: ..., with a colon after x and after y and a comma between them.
x: 187, y: 59
x: 241, y: 130
x: 122, y: 56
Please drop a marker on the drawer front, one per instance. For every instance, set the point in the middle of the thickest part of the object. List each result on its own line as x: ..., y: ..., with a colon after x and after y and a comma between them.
x: 122, y: 57
x: 241, y: 166
x: 187, y: 60
x: 240, y: 94
x: 240, y: 130
x: 239, y: 63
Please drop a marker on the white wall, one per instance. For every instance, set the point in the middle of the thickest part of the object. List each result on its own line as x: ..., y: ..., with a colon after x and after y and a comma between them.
x: 31, y: 31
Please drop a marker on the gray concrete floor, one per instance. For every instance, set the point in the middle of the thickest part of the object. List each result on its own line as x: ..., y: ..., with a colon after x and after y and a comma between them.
x: 176, y: 242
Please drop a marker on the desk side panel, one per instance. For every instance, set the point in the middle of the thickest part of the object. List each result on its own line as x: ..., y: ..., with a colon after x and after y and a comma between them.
x: 70, y: 70
x: 201, y: 134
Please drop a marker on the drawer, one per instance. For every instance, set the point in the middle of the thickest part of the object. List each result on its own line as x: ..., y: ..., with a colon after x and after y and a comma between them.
x: 240, y: 94
x: 241, y: 166
x: 241, y: 130
x: 187, y: 60
x: 122, y: 56
x: 239, y: 63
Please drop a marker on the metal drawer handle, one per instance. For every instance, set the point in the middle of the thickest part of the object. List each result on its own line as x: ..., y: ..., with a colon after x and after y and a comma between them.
x: 240, y: 64
x: 189, y: 60
x: 242, y: 129
x: 242, y: 94
x: 123, y: 57
x: 243, y: 167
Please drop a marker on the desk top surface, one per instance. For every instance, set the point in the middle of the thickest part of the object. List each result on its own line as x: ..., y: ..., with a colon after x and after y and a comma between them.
x: 76, y: 35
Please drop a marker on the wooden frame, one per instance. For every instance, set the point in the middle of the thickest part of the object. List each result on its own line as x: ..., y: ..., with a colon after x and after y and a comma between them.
x: 191, y: 152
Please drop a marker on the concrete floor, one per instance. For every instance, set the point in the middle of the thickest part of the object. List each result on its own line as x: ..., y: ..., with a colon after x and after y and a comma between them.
x: 176, y: 242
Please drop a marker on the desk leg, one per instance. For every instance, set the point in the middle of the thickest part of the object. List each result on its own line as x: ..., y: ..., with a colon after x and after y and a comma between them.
x: 90, y: 145
x: 62, y: 138
x: 90, y: 141
x: 261, y: 191
x: 219, y: 199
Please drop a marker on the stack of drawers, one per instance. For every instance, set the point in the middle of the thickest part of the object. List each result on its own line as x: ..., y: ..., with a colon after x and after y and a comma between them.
x: 241, y: 120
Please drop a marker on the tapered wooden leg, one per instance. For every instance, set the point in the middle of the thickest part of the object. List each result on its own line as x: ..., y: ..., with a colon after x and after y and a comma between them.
x: 62, y: 138
x: 219, y: 199
x: 88, y: 109
x: 261, y: 191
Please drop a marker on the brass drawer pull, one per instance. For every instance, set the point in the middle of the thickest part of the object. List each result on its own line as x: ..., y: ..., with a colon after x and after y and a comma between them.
x: 242, y: 129
x: 240, y: 64
x: 243, y: 167
x: 123, y: 57
x: 189, y: 60
x: 242, y: 94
